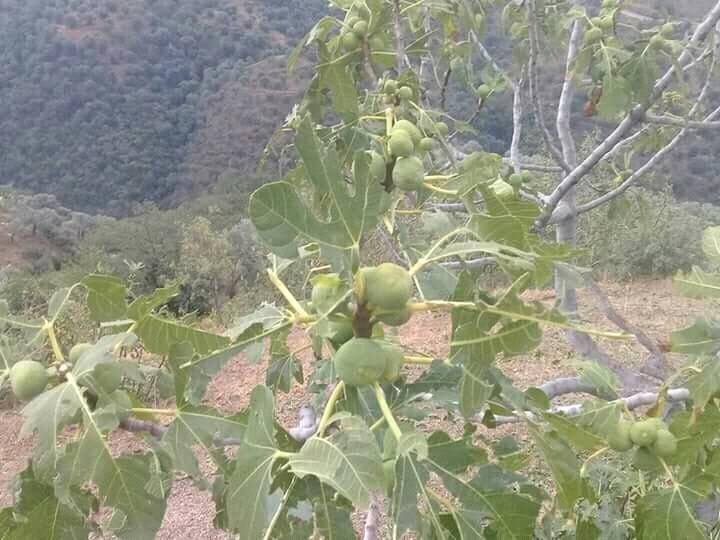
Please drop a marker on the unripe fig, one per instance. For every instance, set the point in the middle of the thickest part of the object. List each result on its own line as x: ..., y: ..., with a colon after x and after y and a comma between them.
x: 390, y: 86
x: 350, y: 41
x: 442, y: 128
x: 426, y: 144
x: 405, y: 93
x: 408, y: 127
x: 400, y: 143
x: 360, y: 361
x: 484, y: 91
x: 644, y: 433
x: 28, y: 379
x: 378, y: 168
x: 619, y: 439
x: 408, y: 173
x: 360, y: 28
x: 665, y: 444
x: 77, y: 351
x: 593, y: 35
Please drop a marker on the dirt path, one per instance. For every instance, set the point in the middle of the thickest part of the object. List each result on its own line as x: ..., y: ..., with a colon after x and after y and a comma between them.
x: 650, y: 304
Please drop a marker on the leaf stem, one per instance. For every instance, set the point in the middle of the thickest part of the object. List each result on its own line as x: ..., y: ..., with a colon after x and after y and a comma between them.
x: 439, y: 177
x: 590, y: 458
x: 387, y: 413
x: 436, y: 189
x: 389, y: 117
x: 162, y: 412
x: 129, y: 331
x: 330, y: 407
x: 424, y: 360
x: 280, y: 508
x: 289, y: 297
x: 57, y: 351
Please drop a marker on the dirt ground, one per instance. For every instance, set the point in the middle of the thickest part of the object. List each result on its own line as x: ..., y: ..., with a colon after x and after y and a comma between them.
x: 649, y: 304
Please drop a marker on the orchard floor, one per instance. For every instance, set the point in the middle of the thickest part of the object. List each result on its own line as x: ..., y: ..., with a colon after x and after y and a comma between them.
x: 651, y: 305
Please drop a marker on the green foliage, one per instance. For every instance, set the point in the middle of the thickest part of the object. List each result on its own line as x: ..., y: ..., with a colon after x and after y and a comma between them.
x: 316, y: 222
x: 108, y: 98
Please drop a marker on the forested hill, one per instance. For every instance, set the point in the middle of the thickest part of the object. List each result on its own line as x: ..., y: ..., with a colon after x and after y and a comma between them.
x: 110, y: 102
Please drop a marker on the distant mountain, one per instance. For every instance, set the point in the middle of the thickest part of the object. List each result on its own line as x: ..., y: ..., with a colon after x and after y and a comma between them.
x: 106, y: 103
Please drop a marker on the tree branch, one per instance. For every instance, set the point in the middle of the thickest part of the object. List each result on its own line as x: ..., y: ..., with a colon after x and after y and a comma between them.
x: 657, y: 364
x: 681, y: 122
x: 660, y: 155
x: 567, y: 385
x: 562, y: 123
x: 534, y: 94
x: 631, y: 402
x: 371, y: 530
x: 633, y: 118
x: 517, y: 124
x: 399, y: 40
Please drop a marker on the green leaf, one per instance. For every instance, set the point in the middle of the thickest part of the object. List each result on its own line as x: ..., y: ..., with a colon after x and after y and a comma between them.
x: 411, y: 478
x: 198, y: 427
x: 600, y: 377
x: 251, y: 332
x: 247, y: 493
x: 616, y: 97
x: 491, y: 498
x: 159, y: 335
x: 342, y: 87
x: 284, y: 367
x: 698, y: 284
x: 564, y: 467
x: 704, y: 383
x: 47, y: 415
x: 144, y: 305
x: 455, y: 455
x: 105, y: 297
x: 349, y: 461
x: 667, y: 514
x: 280, y: 215
x: 57, y: 302
x: 39, y: 515
x: 474, y: 389
x: 711, y: 243
x: 120, y: 481
x: 703, y: 337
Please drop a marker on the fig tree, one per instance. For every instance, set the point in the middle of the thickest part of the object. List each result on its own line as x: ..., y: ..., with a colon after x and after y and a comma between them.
x: 378, y: 168
x: 515, y: 180
x: 426, y: 144
x: 408, y: 173
x: 665, y: 444
x: 28, y: 379
x: 619, y: 439
x: 400, y: 143
x: 442, y: 128
x: 387, y: 287
x: 593, y: 35
x: 108, y: 376
x: 667, y: 29
x: 408, y: 127
x: 394, y: 358
x: 350, y: 41
x: 405, y: 93
x: 657, y: 42
x: 77, y: 351
x: 360, y: 361
x: 484, y: 91
x: 360, y: 28
x: 390, y: 86
x: 644, y: 433
x: 394, y: 318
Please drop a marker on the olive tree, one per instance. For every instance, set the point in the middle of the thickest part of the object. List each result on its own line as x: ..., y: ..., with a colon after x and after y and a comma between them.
x: 376, y: 154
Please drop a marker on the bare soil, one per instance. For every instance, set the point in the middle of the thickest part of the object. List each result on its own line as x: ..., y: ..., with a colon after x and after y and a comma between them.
x: 652, y: 305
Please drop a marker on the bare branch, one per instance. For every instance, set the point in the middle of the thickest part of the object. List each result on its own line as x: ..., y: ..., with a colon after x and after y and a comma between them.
x: 399, y: 40
x: 517, y: 124
x: 482, y: 262
x: 443, y: 88
x: 657, y: 362
x: 566, y: 97
x: 488, y: 57
x: 633, y: 118
x: 367, y: 63
x: 681, y: 122
x: 635, y: 401
x: 534, y: 94
x: 663, y: 152
x: 371, y: 531
x: 567, y: 385
x: 537, y: 167
x: 142, y: 426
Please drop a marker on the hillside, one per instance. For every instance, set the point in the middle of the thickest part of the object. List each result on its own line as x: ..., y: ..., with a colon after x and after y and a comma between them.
x: 107, y: 103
